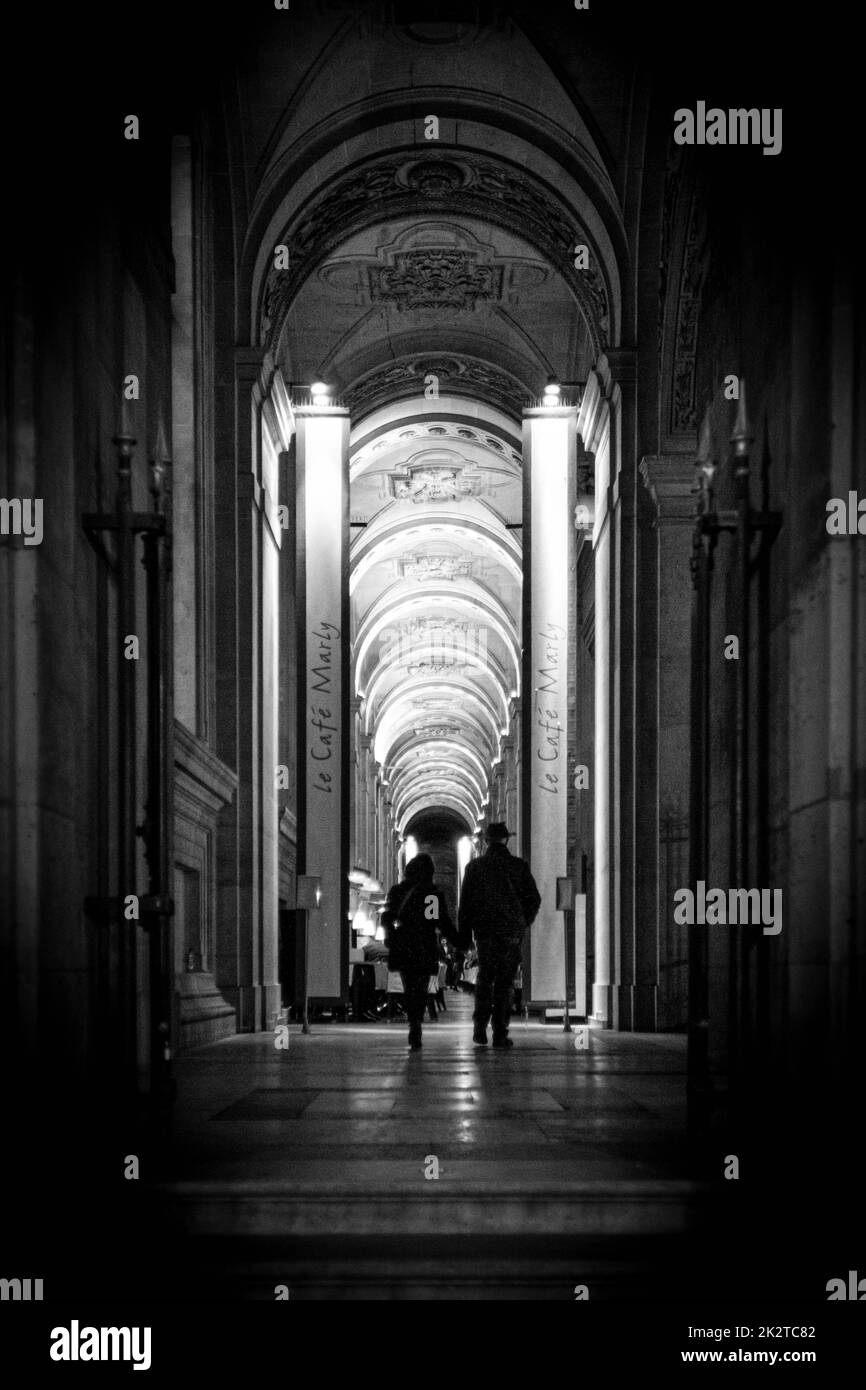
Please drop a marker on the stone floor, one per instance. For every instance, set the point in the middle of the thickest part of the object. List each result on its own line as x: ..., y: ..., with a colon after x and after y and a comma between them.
x: 314, y: 1165
x: 349, y: 1096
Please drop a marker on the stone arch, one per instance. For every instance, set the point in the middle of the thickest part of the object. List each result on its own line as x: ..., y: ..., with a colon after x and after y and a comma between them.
x: 457, y: 182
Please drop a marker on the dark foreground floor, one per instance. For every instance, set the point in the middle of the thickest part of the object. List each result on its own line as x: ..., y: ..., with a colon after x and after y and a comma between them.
x: 345, y: 1167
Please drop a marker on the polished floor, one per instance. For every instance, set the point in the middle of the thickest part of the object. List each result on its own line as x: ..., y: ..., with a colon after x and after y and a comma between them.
x: 353, y: 1094
x: 345, y: 1166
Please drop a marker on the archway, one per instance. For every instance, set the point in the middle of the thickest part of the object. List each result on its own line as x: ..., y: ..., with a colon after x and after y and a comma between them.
x: 433, y: 287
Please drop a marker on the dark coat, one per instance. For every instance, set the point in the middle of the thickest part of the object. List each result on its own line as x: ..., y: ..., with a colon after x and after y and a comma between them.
x: 499, y: 899
x: 410, y: 920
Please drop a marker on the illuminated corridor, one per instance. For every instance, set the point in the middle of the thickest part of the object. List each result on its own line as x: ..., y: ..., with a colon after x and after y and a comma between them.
x: 436, y: 575
x: 411, y: 439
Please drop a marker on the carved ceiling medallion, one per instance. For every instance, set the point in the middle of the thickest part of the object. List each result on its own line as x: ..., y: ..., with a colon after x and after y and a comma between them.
x: 435, y: 483
x: 422, y: 567
x: 436, y: 278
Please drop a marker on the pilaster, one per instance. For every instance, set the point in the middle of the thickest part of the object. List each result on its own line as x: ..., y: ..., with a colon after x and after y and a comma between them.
x: 669, y: 481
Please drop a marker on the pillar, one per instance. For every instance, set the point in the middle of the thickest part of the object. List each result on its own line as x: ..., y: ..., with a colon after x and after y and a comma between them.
x: 323, y: 723
x: 595, y: 431
x: 669, y: 479
x: 549, y: 448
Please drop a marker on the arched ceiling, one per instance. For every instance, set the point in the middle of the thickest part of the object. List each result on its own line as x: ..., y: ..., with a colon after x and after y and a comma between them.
x: 435, y: 583
x: 476, y: 297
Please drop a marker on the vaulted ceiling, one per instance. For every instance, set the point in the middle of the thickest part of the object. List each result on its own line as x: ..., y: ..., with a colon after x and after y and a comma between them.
x: 435, y: 598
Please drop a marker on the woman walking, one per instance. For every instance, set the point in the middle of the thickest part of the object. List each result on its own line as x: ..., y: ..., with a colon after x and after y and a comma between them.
x: 413, y: 911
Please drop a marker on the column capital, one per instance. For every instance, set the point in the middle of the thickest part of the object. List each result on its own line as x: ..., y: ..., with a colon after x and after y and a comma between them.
x: 623, y: 363
x: 320, y: 412
x: 670, y: 481
x: 550, y: 412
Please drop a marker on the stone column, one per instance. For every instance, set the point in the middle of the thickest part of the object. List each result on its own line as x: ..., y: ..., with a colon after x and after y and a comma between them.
x: 513, y: 801
x: 549, y: 448
x: 498, y: 785
x: 669, y: 479
x: 596, y: 408
x: 356, y: 780
x: 239, y: 926
x: 363, y: 853
x: 323, y: 732
x: 626, y: 601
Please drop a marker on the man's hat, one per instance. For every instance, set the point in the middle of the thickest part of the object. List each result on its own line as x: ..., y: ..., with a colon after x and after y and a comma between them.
x: 497, y: 831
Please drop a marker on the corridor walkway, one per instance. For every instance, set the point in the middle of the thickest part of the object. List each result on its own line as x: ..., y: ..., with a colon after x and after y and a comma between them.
x: 315, y: 1166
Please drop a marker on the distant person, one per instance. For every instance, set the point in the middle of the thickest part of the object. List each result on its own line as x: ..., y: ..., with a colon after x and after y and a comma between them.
x: 413, y: 910
x: 498, y: 903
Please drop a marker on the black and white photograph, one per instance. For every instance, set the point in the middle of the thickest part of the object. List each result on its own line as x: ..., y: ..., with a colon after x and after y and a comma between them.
x: 432, y: 680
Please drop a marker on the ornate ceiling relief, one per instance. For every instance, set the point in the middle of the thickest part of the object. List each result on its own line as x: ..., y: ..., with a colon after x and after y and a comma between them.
x: 435, y: 483
x: 682, y: 274
x: 683, y: 412
x: 422, y: 567
x: 465, y: 186
x: 432, y: 265
x: 432, y: 279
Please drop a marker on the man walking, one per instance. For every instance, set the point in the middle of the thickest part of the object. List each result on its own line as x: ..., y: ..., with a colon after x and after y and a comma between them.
x: 498, y: 903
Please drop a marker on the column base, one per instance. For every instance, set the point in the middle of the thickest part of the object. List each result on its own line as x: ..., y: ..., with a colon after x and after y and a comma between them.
x: 204, y: 1014
x: 645, y: 1008
x: 602, y: 1006
x: 257, y: 1006
x: 623, y: 1008
x: 626, y: 1008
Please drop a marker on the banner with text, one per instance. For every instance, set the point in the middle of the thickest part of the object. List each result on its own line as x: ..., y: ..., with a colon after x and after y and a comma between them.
x: 549, y: 442
x: 322, y: 450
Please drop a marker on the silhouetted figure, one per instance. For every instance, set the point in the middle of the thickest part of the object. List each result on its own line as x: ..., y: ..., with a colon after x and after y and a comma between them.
x: 498, y: 903
x: 413, y: 911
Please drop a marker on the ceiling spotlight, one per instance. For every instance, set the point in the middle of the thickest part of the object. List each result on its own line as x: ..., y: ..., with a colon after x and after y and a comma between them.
x: 321, y: 393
